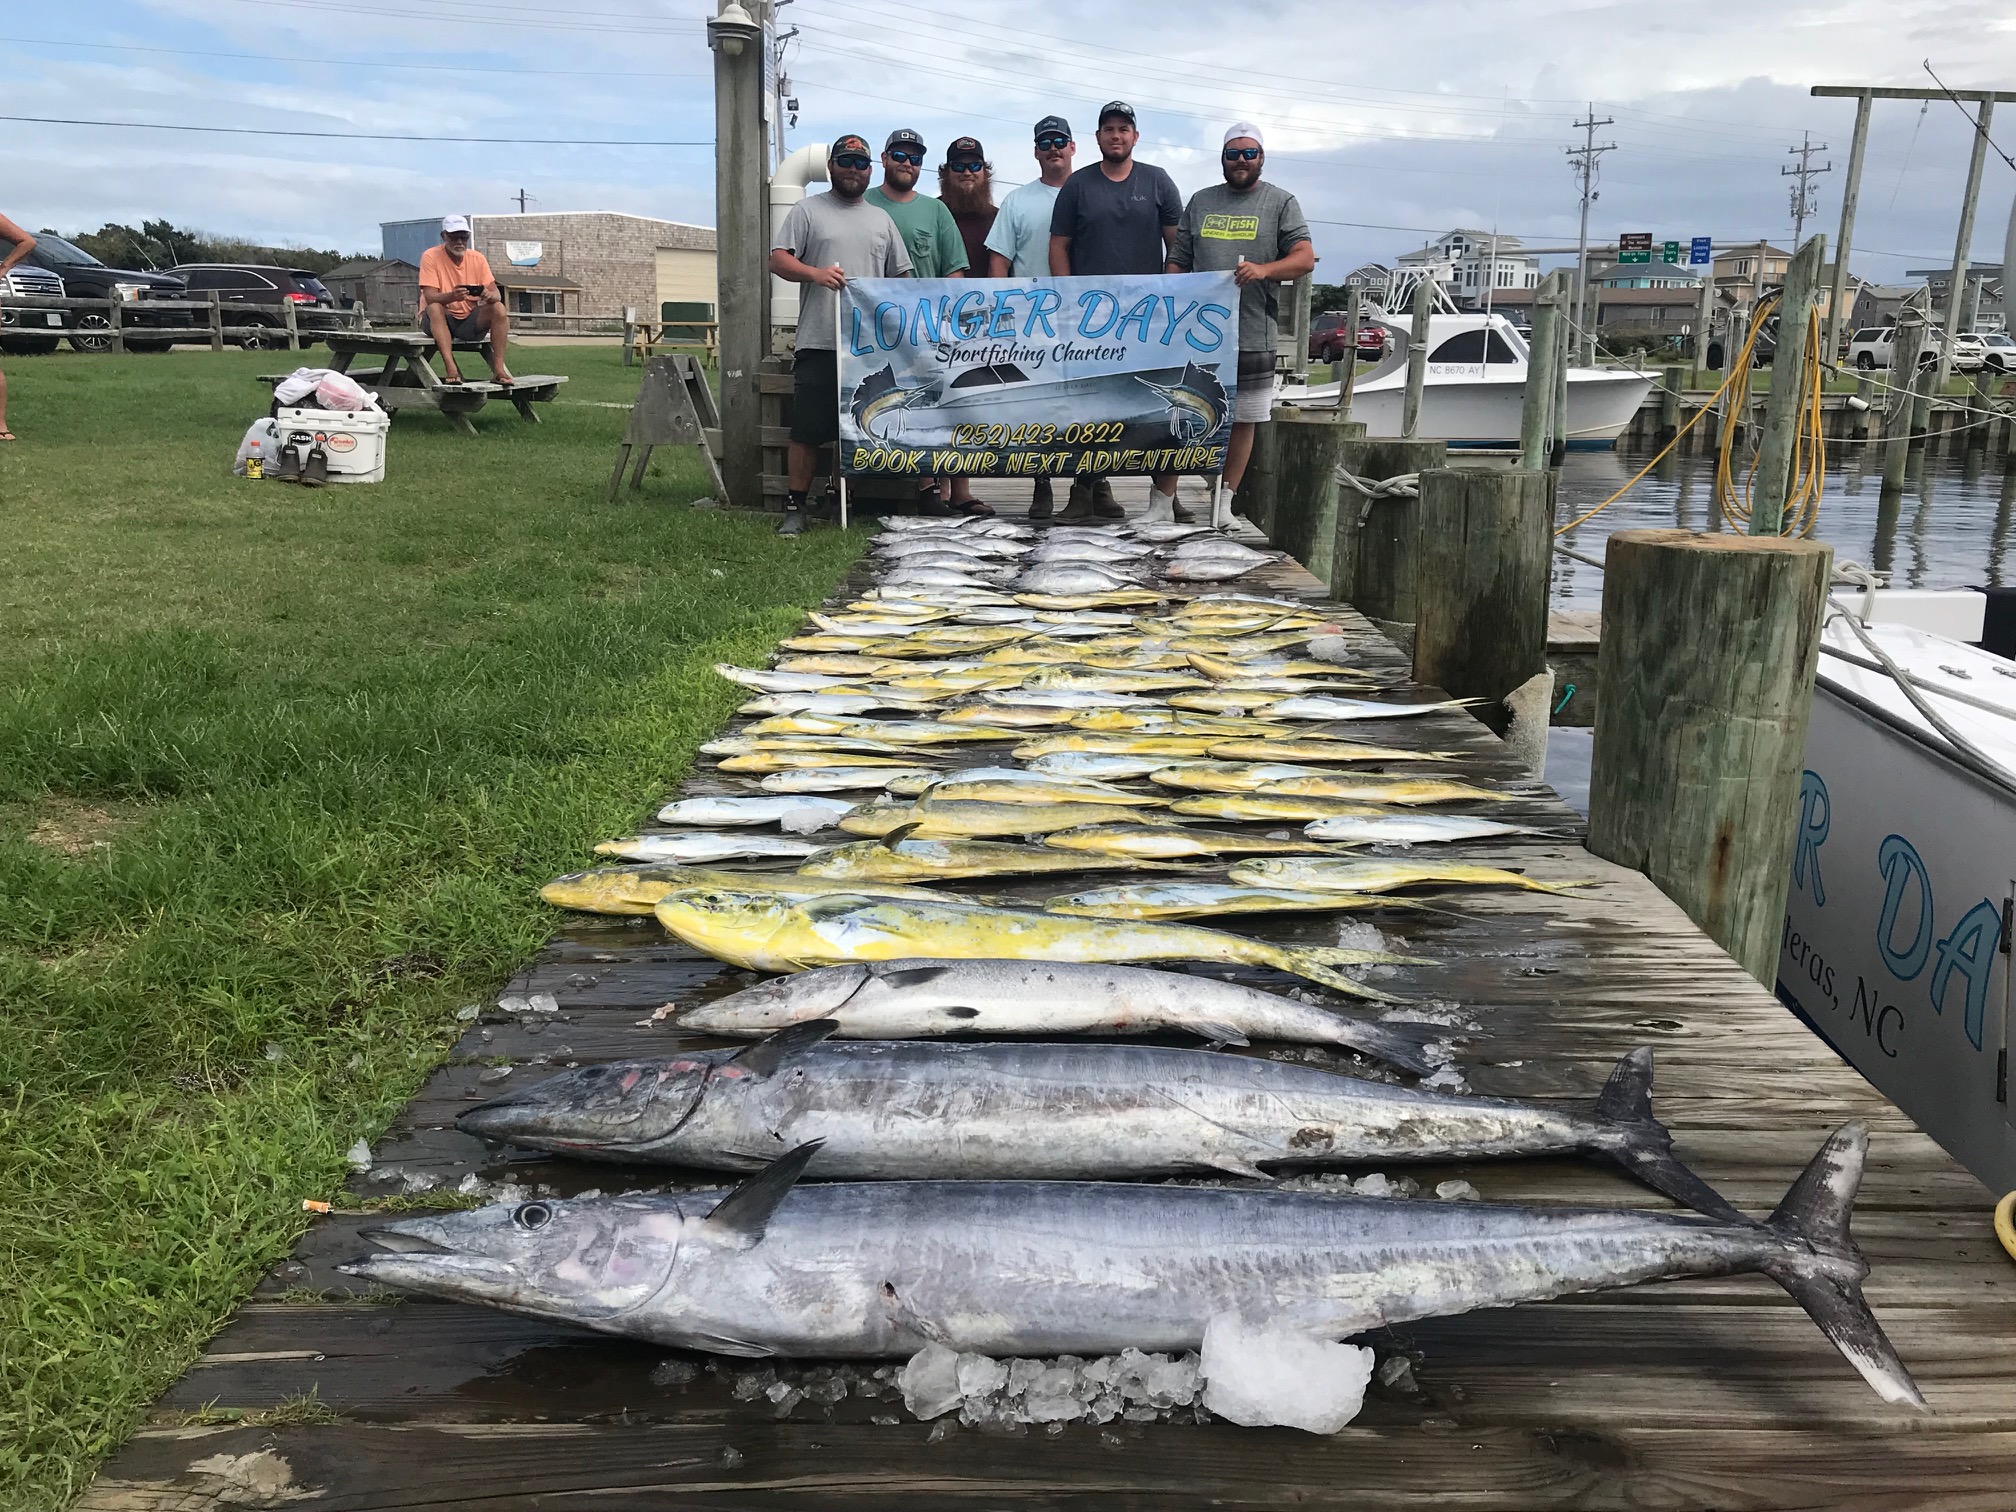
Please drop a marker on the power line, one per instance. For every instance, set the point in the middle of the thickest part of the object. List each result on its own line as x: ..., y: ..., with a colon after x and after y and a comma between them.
x: 462, y: 68
x: 352, y: 136
x: 1805, y: 198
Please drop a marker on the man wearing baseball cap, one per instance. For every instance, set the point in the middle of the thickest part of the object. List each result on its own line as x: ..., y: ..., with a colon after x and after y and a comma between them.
x: 1118, y: 216
x: 929, y: 232
x: 459, y: 300
x: 1257, y: 233
x: 1019, y: 244
x: 825, y: 240
x: 966, y: 188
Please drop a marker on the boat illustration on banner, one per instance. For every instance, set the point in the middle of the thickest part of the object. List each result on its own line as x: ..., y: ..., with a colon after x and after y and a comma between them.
x: 1187, y: 405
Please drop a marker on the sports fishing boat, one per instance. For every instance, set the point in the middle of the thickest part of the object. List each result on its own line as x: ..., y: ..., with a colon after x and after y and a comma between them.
x: 1904, y: 870
x: 1476, y: 387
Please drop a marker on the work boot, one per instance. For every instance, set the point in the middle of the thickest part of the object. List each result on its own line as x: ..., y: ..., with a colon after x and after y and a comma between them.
x: 1104, y: 504
x: 792, y: 524
x: 1039, y: 505
x: 1078, y: 505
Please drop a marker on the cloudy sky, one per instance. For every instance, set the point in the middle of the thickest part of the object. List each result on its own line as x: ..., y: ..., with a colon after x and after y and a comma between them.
x: 1391, y: 119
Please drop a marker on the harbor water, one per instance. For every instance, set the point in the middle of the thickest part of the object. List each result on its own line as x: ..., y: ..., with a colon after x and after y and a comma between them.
x: 1953, y: 525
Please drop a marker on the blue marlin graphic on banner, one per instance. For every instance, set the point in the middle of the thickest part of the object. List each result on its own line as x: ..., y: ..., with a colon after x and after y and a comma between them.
x: 1044, y: 376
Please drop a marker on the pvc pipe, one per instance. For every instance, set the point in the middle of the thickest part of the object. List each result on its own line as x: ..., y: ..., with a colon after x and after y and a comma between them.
x: 787, y: 186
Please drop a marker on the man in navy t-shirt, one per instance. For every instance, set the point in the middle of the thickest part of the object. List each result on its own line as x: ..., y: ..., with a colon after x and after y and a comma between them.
x: 1118, y: 216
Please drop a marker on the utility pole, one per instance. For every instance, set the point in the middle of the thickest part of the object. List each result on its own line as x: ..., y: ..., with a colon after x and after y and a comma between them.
x: 1584, y: 159
x: 1805, y: 198
x: 521, y: 196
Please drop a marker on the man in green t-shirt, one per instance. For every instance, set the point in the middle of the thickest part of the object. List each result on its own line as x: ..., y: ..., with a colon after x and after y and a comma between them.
x: 936, y: 248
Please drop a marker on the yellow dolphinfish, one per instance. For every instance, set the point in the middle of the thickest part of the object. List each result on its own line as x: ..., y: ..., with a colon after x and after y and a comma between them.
x: 1191, y: 900
x: 1107, y: 680
x: 776, y: 934
x: 1314, y: 748
x: 890, y: 859
x: 1227, y: 776
x: 959, y: 682
x: 1173, y: 746
x: 1224, y: 701
x: 1228, y: 668
x: 1316, y: 874
x: 1357, y: 788
x: 744, y: 745
x: 1240, y: 647
x: 989, y: 791
x: 637, y: 889
x: 842, y: 666
x: 1271, y: 805
x: 894, y: 732
x: 1009, y: 716
x: 976, y: 820
x: 794, y: 761
x: 1169, y: 842
x: 1169, y: 722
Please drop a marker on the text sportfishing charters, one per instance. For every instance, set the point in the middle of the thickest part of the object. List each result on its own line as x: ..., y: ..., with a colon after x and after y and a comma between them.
x: 1020, y: 315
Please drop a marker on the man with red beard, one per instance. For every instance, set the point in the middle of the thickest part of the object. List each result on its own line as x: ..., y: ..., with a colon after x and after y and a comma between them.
x: 966, y: 185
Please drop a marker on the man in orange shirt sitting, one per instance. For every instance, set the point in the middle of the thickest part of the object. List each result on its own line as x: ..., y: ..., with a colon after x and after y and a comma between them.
x: 459, y: 300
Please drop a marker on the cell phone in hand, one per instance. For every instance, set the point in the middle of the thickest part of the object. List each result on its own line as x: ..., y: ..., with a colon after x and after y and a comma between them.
x: 472, y: 288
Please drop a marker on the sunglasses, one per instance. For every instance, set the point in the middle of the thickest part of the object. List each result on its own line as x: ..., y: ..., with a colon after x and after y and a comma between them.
x: 854, y: 160
x: 1052, y: 143
x: 914, y: 159
x: 972, y: 167
x: 1248, y: 153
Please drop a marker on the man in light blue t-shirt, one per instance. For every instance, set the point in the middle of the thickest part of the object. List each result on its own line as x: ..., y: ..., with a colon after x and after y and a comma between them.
x: 1019, y: 244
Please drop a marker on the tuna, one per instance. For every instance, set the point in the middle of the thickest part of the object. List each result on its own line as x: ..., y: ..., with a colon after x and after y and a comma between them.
x: 877, y: 1270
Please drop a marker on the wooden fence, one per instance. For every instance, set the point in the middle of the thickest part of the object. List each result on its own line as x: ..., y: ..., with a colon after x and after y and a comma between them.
x: 209, y: 327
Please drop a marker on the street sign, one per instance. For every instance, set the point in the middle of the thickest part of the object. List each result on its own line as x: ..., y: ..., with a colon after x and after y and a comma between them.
x: 1634, y: 247
x: 1670, y: 252
x: 1701, y: 251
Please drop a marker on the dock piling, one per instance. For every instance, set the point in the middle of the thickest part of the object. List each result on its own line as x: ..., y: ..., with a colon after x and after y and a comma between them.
x: 1483, y: 547
x: 1538, y: 418
x: 1706, y: 665
x: 1372, y: 564
x: 1417, y: 363
x: 1306, y: 453
x: 1787, y: 402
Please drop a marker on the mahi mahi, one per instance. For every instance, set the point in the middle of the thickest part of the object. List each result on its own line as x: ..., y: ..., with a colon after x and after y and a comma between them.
x: 1163, y: 842
x: 915, y: 1110
x: 1206, y: 900
x: 1319, y: 874
x: 770, y: 933
x: 900, y: 860
x: 976, y: 820
x: 637, y: 889
x: 844, y: 1270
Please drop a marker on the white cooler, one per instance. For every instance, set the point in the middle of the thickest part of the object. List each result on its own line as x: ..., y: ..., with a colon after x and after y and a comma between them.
x: 354, y: 440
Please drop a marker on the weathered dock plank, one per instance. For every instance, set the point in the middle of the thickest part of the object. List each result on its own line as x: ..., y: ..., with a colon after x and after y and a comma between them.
x: 1700, y: 1393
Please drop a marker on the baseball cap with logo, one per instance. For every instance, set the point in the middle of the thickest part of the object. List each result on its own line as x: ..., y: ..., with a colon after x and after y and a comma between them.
x: 847, y: 140
x: 1119, y: 108
x: 903, y: 136
x: 453, y: 223
x: 965, y: 148
x: 1054, y: 126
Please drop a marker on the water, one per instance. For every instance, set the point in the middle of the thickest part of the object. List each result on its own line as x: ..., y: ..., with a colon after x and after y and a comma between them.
x: 1952, y: 526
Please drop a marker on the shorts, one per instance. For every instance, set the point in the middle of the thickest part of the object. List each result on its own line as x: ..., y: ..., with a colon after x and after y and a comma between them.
x: 465, y: 327
x: 1254, y: 404
x: 815, y: 397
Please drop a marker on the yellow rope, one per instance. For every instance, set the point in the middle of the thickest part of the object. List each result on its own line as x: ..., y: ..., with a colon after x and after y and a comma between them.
x: 2005, y: 1228
x: 1809, y: 447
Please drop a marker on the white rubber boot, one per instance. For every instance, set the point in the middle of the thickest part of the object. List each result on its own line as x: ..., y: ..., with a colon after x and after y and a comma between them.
x: 1161, y: 507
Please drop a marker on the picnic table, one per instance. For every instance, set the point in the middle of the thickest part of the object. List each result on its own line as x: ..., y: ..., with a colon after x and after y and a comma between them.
x: 405, y: 378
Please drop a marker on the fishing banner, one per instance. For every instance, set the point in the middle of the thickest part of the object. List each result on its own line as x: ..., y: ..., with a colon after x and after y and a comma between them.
x: 1037, y: 377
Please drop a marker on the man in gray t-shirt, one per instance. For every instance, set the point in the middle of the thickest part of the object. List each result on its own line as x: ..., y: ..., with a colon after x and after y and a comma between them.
x: 827, y: 239
x: 1256, y: 232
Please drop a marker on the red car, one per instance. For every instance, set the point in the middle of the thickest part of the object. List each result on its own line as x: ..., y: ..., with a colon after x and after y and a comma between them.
x: 1326, y: 338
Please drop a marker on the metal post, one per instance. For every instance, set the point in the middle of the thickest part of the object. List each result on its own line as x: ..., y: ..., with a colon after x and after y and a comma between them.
x: 1417, y: 363
x: 1843, y: 240
x: 1354, y: 313
x: 741, y: 228
x: 1963, y: 242
x: 1537, y: 411
x: 1782, y: 412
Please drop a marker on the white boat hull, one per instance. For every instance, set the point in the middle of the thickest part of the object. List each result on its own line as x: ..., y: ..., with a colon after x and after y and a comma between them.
x: 1485, y: 411
x: 1903, y: 864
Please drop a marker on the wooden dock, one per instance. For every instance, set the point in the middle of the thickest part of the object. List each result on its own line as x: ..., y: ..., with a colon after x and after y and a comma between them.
x: 1684, y: 1395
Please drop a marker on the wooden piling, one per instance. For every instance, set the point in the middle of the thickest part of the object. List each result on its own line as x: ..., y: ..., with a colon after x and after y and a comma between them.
x: 1417, y: 363
x: 1539, y: 421
x: 216, y: 323
x: 1785, y: 407
x: 1483, y: 546
x: 1669, y: 401
x: 1709, y: 644
x: 1372, y: 563
x: 1307, y: 449
x: 1256, y: 489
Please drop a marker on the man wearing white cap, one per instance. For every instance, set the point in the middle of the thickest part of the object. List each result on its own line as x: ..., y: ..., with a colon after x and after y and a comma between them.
x: 459, y: 300
x: 1256, y: 232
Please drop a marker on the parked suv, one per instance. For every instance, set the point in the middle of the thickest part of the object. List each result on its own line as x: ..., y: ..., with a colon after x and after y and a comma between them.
x: 1870, y: 349
x: 1326, y: 338
x: 31, y: 330
x: 84, y: 277
x: 258, y: 296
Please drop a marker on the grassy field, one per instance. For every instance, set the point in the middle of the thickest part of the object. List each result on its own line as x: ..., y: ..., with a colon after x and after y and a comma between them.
x: 280, y: 770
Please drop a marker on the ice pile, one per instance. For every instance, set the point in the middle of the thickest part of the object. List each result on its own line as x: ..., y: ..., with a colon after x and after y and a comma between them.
x: 1131, y: 1385
x: 805, y: 819
x: 1261, y: 1377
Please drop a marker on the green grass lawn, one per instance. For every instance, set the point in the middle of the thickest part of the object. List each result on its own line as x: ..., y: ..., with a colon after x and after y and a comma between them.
x: 280, y: 771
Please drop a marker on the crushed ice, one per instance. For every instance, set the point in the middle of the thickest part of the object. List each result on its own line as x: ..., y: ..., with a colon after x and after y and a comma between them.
x: 1265, y: 1377
x: 1138, y: 1387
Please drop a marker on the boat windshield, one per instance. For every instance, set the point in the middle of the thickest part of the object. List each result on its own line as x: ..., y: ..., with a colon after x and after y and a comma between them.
x: 989, y: 376
x: 1473, y: 347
